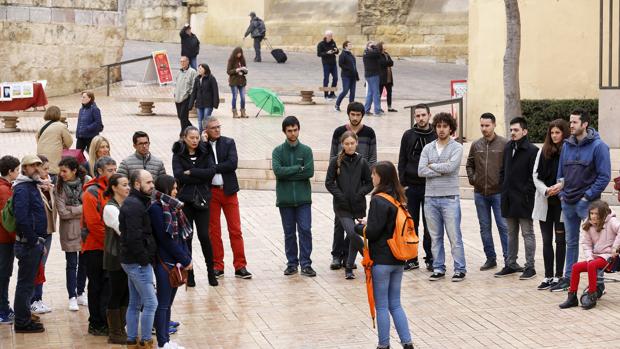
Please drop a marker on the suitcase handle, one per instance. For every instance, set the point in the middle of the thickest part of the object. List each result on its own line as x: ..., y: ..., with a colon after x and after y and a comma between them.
x: 268, y: 44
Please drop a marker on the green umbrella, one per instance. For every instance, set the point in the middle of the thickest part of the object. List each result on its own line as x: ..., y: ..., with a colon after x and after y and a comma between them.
x: 266, y: 100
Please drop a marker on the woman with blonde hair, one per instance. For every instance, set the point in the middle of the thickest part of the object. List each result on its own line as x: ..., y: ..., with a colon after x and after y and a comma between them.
x: 52, y: 138
x: 99, y: 147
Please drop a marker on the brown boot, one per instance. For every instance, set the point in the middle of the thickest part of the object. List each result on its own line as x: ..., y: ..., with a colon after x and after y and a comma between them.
x: 146, y: 344
x: 123, y: 318
x: 115, y: 335
x: 133, y: 345
x: 243, y: 114
x: 235, y: 115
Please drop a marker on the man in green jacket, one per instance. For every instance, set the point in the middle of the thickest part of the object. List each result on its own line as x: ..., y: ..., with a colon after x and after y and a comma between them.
x: 293, y: 167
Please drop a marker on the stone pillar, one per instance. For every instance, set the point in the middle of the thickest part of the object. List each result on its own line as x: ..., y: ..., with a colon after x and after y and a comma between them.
x: 609, y: 117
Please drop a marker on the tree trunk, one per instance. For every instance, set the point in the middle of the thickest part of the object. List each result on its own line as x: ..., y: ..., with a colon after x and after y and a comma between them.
x: 512, y: 94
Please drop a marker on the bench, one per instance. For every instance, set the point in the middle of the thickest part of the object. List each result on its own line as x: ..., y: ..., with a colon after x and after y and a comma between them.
x: 146, y: 104
x: 307, y: 95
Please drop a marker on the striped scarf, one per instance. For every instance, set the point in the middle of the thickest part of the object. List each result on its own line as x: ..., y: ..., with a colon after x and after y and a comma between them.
x: 174, y: 218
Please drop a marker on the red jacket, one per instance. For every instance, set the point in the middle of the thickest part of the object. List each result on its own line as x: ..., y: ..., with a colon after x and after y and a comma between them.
x: 5, y: 194
x: 93, y: 203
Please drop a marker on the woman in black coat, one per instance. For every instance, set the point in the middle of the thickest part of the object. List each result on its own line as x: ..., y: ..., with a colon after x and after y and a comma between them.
x: 193, y: 168
x: 205, y: 95
x: 387, y: 81
x: 348, y: 180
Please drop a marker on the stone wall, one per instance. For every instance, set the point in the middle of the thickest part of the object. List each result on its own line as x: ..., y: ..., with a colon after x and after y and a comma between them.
x: 155, y: 20
x: 61, y: 41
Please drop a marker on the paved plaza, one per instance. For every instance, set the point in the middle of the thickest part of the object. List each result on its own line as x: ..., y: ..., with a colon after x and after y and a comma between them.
x: 274, y: 311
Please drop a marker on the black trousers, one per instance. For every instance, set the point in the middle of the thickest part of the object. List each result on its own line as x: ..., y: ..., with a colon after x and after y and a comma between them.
x: 550, y: 226
x: 201, y: 218
x: 257, y: 41
x: 119, y: 289
x: 388, y: 92
x: 415, y: 204
x: 83, y: 143
x: 98, y: 288
x: 183, y: 113
x: 340, y: 245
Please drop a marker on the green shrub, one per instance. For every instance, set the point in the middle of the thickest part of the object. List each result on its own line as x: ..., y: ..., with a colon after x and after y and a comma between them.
x: 539, y: 112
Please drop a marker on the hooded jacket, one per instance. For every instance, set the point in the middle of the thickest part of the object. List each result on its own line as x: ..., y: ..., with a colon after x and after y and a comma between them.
x: 201, y: 173
x: 5, y: 193
x: 89, y: 121
x: 93, y: 203
x: 29, y: 210
x: 411, y: 145
x: 585, y: 168
x: 601, y: 243
x: 350, y: 187
x: 256, y: 29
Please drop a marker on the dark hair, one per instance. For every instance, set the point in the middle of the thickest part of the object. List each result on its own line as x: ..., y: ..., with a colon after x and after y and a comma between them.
x: 139, y: 134
x: 134, y: 177
x: 290, y: 121
x: 444, y: 118
x: 345, y: 43
x: 43, y: 158
x: 72, y: 164
x: 603, y: 211
x: 113, y: 182
x: 549, y: 149
x: 342, y: 153
x: 7, y: 164
x: 519, y: 120
x: 388, y: 181
x: 164, y: 184
x: 583, y: 115
x: 102, y: 163
x: 488, y: 116
x: 52, y: 113
x: 205, y: 66
x: 90, y: 95
x: 233, y: 57
x: 357, y: 107
x: 422, y: 106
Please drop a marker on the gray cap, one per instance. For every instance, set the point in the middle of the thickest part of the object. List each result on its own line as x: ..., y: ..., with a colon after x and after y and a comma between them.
x: 252, y: 14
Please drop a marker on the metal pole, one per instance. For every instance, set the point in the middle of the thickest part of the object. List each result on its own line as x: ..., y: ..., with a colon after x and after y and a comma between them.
x: 412, y: 117
x: 108, y: 83
x: 461, y: 120
x: 600, y: 48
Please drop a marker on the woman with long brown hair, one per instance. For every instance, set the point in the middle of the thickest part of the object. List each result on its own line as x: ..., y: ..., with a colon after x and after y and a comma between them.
x: 547, y: 206
x: 237, y: 71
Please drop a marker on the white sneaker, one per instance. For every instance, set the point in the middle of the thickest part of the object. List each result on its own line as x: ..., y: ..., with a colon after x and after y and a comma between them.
x: 172, y: 345
x: 82, y: 300
x: 73, y: 304
x: 47, y: 308
x: 38, y: 307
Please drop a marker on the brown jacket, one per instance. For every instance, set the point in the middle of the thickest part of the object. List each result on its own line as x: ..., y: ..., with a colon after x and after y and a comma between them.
x: 70, y: 224
x: 235, y: 78
x: 54, y: 139
x: 484, y: 163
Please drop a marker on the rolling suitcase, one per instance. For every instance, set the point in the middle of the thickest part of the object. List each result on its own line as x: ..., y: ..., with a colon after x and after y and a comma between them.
x: 278, y: 54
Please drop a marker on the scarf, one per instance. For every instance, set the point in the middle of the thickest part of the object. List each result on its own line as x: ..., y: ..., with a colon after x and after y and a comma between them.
x: 73, y: 192
x: 174, y: 219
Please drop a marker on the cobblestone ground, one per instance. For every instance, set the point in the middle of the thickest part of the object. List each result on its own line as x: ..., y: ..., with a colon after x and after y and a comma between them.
x: 274, y: 311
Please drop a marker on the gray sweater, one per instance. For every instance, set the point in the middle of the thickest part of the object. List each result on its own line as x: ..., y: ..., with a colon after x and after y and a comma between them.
x: 441, y: 171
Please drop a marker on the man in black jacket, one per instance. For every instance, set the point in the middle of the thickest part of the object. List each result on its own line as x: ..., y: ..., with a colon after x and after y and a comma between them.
x: 411, y: 146
x: 224, y: 188
x: 138, y: 252
x: 257, y: 30
x: 190, y: 45
x: 518, y: 192
x: 372, y: 71
x: 327, y: 50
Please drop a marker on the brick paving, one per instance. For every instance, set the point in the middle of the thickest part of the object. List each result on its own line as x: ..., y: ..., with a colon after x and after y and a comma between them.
x: 273, y: 311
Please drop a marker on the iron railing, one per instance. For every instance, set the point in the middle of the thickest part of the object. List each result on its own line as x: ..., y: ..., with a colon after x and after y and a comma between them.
x: 109, y: 66
x: 606, y: 45
x: 458, y: 101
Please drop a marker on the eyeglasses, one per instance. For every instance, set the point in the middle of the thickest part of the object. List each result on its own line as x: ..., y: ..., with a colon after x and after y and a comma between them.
x: 143, y: 144
x: 215, y: 127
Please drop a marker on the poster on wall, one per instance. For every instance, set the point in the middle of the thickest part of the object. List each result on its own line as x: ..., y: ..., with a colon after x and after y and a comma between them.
x: 158, y: 69
x: 6, y: 92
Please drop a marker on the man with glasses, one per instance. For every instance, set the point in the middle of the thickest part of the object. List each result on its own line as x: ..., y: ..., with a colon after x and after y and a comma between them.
x: 183, y: 85
x: 142, y: 159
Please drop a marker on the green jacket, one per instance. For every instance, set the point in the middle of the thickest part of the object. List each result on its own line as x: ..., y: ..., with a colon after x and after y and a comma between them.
x: 293, y: 167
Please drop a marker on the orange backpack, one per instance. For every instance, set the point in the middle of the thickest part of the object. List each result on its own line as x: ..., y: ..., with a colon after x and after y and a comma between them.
x: 404, y: 241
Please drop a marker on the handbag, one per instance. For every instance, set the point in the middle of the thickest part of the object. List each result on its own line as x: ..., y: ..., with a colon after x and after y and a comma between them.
x: 176, y: 276
x: 78, y: 154
x: 200, y: 202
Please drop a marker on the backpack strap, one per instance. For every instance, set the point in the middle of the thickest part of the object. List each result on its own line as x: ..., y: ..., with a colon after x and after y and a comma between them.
x: 45, y: 127
x: 389, y: 198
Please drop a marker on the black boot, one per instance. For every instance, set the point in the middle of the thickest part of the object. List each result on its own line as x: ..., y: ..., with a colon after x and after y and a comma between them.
x: 211, y: 276
x: 190, y: 279
x: 589, y: 301
x: 571, y: 301
x: 408, y: 346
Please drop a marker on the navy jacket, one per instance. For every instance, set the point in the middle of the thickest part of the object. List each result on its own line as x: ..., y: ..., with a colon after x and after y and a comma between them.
x: 227, y: 163
x: 585, y: 168
x: 348, y: 66
x: 89, y: 121
x: 137, y: 242
x: 169, y: 250
x: 29, y: 210
x: 201, y: 173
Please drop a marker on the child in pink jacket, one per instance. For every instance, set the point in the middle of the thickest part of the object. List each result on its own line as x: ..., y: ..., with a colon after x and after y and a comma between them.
x: 600, y: 239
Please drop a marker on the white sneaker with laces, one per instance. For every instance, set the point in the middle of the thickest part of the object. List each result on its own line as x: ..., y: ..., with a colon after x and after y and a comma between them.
x: 45, y: 307
x: 172, y: 345
x: 82, y: 299
x: 37, y: 307
x: 73, y: 304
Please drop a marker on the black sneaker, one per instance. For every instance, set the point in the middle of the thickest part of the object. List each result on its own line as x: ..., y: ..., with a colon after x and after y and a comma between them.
x: 190, y: 279
x: 458, y: 276
x: 32, y: 327
x: 308, y: 271
x: 392, y: 110
x: 528, y: 273
x: 545, y: 284
x: 243, y: 273
x: 561, y: 286
x: 336, y: 263
x: 489, y: 264
x: 437, y: 276
x: 429, y: 265
x: 290, y: 270
x: 97, y: 331
x: 218, y: 273
x: 348, y: 274
x: 412, y: 264
x: 507, y: 271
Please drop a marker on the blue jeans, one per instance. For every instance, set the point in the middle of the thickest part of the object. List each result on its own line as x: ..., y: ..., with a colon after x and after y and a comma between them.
x: 484, y: 205
x: 28, y: 258
x: 573, y: 215
x: 193, y: 62
x: 444, y: 213
x: 241, y: 91
x: 297, y: 219
x: 37, y: 295
x: 373, y: 95
x: 165, y: 297
x: 203, y: 117
x: 141, y: 296
x: 75, y: 273
x: 348, y: 86
x: 386, y: 280
x: 330, y: 69
x: 7, y: 255
x: 415, y: 204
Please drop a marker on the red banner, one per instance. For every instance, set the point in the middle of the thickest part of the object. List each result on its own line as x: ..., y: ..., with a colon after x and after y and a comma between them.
x: 162, y: 66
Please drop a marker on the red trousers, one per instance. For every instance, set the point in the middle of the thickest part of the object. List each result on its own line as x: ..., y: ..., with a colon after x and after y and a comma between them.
x: 591, y: 267
x: 230, y: 205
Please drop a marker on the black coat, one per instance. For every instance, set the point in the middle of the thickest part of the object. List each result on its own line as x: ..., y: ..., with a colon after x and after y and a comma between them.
x: 350, y: 187
x: 379, y: 229
x: 411, y: 146
x: 348, y: 66
x: 227, y: 163
x: 201, y: 173
x: 372, y: 63
x: 205, y: 93
x: 323, y: 47
x: 386, y: 64
x: 518, y: 188
x: 190, y: 45
x: 137, y: 241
